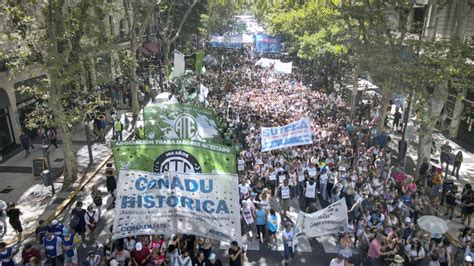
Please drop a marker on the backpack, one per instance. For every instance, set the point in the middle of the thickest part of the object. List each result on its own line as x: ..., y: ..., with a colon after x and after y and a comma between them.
x: 75, y: 221
x: 92, y: 221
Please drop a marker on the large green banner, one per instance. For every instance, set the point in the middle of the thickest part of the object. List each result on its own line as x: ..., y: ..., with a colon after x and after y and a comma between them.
x: 181, y: 121
x: 182, y: 156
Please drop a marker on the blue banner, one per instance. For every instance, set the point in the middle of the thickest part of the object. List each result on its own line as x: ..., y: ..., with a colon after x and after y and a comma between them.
x: 265, y: 43
x: 294, y: 134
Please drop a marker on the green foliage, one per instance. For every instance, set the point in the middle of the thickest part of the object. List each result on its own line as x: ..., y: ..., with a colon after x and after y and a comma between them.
x: 79, y: 44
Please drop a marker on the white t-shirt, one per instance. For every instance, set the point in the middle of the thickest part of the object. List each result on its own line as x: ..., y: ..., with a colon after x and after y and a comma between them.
x: 335, y: 263
x: 310, y: 190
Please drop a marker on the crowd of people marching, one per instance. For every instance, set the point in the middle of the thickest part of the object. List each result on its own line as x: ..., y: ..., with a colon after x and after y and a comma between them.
x: 348, y: 159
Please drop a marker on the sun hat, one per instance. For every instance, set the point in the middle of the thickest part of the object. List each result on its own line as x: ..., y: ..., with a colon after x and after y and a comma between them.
x: 468, y: 258
x: 54, y: 222
x: 212, y: 256
x: 398, y: 259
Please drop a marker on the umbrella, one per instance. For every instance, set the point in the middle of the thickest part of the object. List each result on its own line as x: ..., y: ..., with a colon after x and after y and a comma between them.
x: 432, y: 224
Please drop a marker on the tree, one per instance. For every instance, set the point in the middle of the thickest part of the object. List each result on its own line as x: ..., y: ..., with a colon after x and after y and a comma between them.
x: 316, y: 33
x: 61, y: 39
x: 172, y: 26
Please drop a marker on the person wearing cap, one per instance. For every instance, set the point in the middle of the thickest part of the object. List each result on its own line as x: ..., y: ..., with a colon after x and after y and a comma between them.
x: 53, y: 246
x: 214, y: 261
x: 7, y: 254
x: 29, y: 252
x: 140, y: 255
x: 468, y: 261
x: 92, y: 259
x: 235, y: 254
x: 288, y: 236
x: 57, y: 228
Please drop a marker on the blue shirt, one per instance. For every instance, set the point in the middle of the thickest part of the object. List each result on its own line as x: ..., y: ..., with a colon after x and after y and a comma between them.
x: 69, y: 243
x: 5, y: 258
x: 53, y: 247
x: 260, y: 219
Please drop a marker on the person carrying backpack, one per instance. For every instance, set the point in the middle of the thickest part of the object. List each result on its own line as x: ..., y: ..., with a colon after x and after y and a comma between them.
x: 91, y: 217
x: 78, y: 222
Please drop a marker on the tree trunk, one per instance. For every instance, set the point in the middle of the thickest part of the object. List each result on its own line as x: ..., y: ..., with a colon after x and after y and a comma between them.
x: 59, y: 115
x: 383, y: 109
x: 457, y: 114
x: 166, y: 61
x: 355, y: 87
x: 436, y: 104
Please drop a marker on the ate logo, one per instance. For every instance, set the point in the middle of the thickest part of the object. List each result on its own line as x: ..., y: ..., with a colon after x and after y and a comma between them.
x: 185, y: 126
x: 176, y: 161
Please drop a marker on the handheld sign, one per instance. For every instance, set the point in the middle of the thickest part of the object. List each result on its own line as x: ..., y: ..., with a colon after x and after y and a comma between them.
x: 38, y: 167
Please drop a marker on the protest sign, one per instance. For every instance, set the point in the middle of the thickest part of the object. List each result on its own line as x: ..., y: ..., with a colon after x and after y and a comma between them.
x: 180, y: 121
x: 294, y: 134
x: 204, y: 205
x: 330, y: 220
x: 183, y: 156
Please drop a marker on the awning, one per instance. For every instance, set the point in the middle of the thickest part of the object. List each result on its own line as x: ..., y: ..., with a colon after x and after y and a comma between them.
x: 152, y: 47
x: 144, y: 51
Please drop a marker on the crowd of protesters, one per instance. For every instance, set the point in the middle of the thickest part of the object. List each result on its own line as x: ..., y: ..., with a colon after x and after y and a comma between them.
x: 348, y: 160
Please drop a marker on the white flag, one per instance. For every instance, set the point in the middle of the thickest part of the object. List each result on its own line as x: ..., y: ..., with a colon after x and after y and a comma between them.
x: 179, y: 64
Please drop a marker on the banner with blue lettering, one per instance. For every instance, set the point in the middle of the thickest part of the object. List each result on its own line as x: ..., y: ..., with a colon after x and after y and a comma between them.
x: 265, y: 43
x: 204, y: 205
x: 229, y: 41
x: 294, y: 134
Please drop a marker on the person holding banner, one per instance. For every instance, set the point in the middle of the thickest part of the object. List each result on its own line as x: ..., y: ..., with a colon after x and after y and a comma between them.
x: 248, y: 215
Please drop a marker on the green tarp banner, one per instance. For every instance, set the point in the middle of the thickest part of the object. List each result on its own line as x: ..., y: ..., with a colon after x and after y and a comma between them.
x: 183, y: 156
x: 181, y: 121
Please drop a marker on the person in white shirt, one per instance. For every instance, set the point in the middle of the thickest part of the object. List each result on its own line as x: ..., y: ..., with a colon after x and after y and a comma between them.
x: 338, y: 261
x: 310, y: 193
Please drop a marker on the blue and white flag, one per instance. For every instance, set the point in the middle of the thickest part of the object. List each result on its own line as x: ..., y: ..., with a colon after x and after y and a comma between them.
x: 294, y: 134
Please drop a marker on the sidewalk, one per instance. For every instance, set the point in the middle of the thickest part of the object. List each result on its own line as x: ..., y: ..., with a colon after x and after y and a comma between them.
x: 33, y: 198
